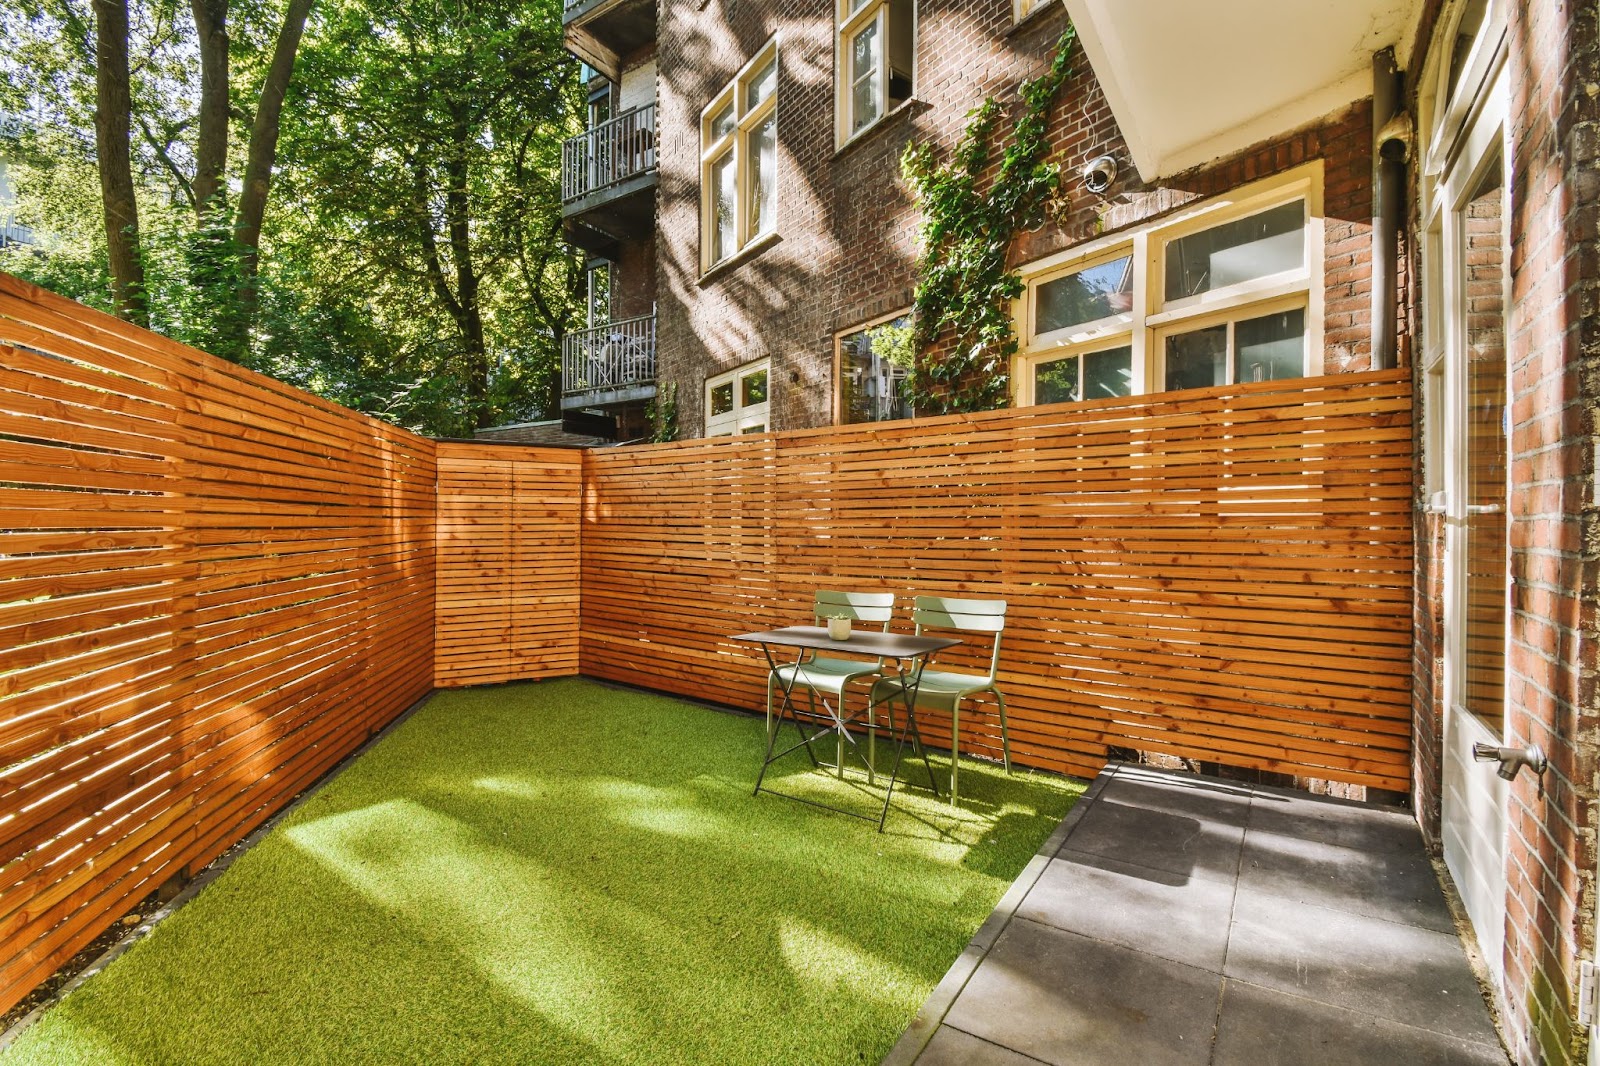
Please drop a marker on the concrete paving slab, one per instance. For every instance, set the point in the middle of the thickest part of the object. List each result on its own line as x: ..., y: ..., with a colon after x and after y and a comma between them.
x: 1179, y: 917
x: 1087, y: 1002
x: 1384, y: 969
x: 1176, y: 919
x: 1188, y: 844
x: 1397, y: 886
x: 1362, y: 826
x: 1260, y: 1027
x: 952, y: 1047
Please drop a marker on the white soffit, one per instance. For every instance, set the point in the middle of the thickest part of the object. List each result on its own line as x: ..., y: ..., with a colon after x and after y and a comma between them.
x: 1192, y: 82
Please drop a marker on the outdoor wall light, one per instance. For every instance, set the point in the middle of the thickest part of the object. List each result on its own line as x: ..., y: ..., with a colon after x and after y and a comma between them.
x: 1099, y: 173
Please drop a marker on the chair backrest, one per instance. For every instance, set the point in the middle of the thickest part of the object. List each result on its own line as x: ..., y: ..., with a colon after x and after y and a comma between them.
x: 971, y: 616
x: 857, y: 606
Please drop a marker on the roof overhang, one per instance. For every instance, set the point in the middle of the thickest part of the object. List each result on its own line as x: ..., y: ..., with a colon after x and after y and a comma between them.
x: 1190, y: 83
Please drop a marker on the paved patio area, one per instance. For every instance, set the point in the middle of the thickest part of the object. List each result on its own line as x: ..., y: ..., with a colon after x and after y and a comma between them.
x: 1177, y: 919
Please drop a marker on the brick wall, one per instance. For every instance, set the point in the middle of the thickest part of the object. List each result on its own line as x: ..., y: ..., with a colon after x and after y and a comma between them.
x: 1553, y: 351
x: 847, y: 228
x: 633, y: 279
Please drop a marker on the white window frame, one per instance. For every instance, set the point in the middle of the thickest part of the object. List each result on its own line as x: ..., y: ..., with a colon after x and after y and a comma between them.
x: 737, y: 142
x: 1448, y: 118
x: 752, y: 418
x: 848, y: 24
x: 1152, y: 318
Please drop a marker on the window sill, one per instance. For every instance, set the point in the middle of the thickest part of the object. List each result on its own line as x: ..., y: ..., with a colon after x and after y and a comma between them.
x: 879, y: 123
x: 739, y: 258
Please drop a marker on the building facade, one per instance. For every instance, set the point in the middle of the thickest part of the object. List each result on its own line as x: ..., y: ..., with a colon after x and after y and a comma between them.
x: 1252, y: 190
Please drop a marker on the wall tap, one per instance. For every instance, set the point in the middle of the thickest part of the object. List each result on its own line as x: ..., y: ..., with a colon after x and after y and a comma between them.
x: 1512, y: 760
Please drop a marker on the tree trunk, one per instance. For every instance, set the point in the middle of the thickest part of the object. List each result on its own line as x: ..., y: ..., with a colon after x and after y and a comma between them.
x: 458, y: 209
x: 113, y: 115
x: 260, y: 157
x: 211, y: 146
x: 263, y: 153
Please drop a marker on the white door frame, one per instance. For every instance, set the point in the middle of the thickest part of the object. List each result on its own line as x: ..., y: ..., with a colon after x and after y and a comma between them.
x: 1468, y: 135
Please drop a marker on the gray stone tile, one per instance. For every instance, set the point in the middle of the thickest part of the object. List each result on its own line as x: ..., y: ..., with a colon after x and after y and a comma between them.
x: 1175, y: 916
x: 1399, y: 972
x: 1181, y: 793
x: 1124, y: 825
x: 1260, y: 1027
x: 1396, y: 885
x: 1067, y: 1000
x: 952, y: 1047
x: 1363, y: 826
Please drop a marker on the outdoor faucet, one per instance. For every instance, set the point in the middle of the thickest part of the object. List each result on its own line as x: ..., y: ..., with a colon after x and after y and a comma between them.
x: 1513, y: 759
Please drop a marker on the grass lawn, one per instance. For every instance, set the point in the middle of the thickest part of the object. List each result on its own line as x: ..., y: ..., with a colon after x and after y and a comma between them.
x: 561, y: 872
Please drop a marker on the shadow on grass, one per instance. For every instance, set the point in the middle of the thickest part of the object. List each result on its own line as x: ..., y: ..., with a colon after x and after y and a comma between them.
x: 559, y: 872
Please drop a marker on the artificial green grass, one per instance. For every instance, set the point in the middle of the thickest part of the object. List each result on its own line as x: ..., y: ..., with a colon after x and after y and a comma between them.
x: 562, y: 872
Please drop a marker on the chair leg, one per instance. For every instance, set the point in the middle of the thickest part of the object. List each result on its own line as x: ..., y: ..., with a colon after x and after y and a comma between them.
x: 1005, y: 737
x: 770, y: 679
x: 872, y: 741
x: 955, y: 747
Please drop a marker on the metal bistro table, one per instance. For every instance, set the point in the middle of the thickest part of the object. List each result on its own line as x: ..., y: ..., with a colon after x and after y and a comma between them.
x: 909, y: 653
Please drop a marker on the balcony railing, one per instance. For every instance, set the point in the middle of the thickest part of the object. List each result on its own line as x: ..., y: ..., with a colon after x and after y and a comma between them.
x: 612, y: 152
x: 614, y: 356
x: 12, y: 233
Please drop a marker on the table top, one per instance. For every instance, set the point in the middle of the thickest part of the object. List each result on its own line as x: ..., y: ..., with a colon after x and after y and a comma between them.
x: 861, y: 642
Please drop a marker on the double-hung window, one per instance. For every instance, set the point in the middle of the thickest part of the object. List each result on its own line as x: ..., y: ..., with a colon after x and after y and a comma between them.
x: 738, y: 402
x: 876, y: 56
x: 1226, y: 293
x: 739, y: 160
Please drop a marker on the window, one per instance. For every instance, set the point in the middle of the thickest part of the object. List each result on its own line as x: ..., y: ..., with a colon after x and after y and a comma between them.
x: 598, y: 292
x: 1227, y: 293
x: 739, y: 160
x: 599, y: 103
x: 874, y: 368
x: 737, y: 402
x: 875, y: 54
x: 1021, y: 9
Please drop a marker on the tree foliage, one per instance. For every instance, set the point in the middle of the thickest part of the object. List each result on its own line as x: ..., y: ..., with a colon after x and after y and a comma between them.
x: 408, y: 261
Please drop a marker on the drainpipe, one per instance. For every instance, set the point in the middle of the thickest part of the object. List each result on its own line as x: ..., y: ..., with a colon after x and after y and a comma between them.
x: 1392, y: 139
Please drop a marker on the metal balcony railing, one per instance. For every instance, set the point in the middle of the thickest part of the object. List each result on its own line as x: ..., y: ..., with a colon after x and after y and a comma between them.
x: 613, y: 151
x: 12, y: 233
x: 613, y: 356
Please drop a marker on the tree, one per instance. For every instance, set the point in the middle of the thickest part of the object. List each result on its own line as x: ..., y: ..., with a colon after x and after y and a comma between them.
x: 427, y: 150
x: 155, y: 95
x: 114, y: 106
x: 405, y: 258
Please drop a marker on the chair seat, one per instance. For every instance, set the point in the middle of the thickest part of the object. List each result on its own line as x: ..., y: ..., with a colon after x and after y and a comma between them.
x: 940, y: 685
x: 827, y: 675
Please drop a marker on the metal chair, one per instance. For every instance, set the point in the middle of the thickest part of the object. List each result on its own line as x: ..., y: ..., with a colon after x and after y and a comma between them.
x: 821, y: 675
x: 942, y: 689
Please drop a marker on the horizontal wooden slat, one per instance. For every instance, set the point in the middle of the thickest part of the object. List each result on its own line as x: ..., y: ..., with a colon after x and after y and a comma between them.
x: 1223, y: 575
x: 212, y: 588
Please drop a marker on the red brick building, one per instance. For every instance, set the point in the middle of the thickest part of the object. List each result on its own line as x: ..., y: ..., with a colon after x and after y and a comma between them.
x: 1252, y: 189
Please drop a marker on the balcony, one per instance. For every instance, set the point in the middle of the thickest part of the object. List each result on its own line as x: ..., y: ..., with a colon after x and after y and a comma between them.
x: 608, y: 182
x: 603, y: 32
x: 610, y: 364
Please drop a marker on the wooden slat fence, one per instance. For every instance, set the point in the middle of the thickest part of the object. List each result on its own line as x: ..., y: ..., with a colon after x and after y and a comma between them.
x: 507, y: 606
x: 1222, y: 575
x: 213, y: 587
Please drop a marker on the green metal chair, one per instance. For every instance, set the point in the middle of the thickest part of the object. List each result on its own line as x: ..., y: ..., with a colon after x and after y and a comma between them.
x: 945, y: 689
x: 830, y: 677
